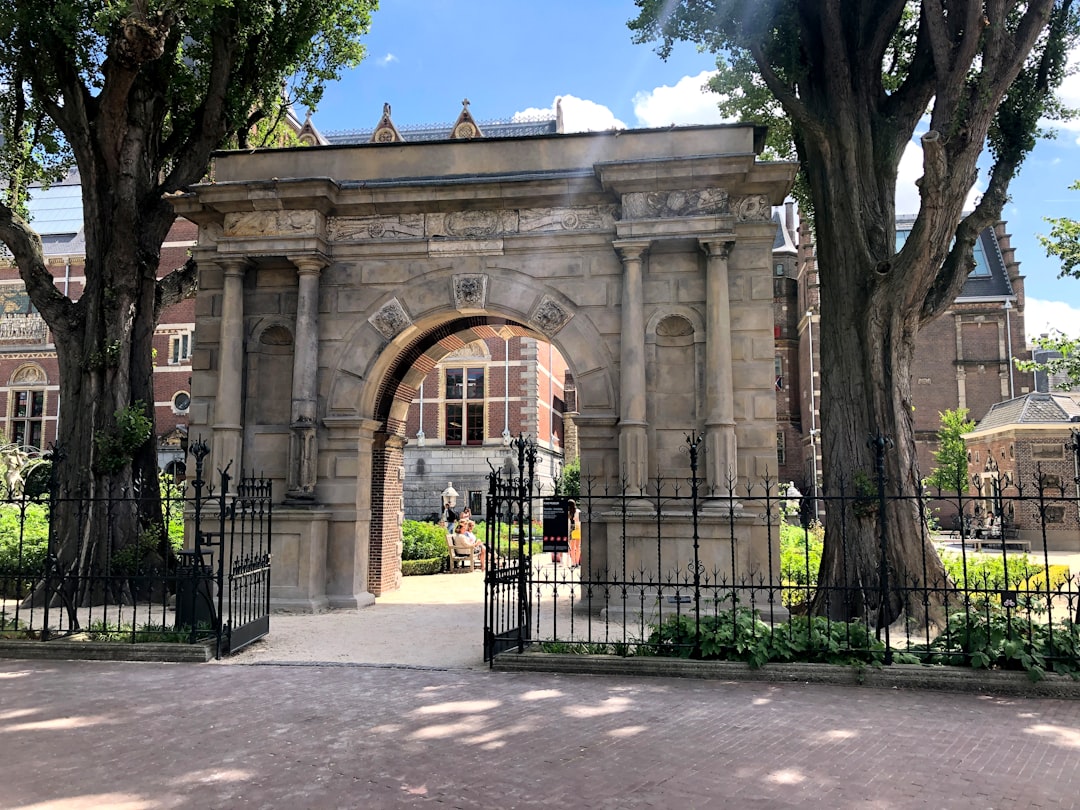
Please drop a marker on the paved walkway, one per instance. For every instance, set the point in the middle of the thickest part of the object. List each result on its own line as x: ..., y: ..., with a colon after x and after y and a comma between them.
x: 392, y: 707
x: 142, y: 736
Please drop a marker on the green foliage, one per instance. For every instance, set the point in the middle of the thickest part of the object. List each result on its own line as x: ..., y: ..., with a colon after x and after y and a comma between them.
x: 992, y: 638
x: 126, y: 633
x: 988, y: 572
x: 413, y: 568
x: 800, y: 559
x: 507, y: 544
x: 172, y: 503
x: 423, y: 541
x: 951, y: 471
x: 24, y: 543
x: 1068, y: 365
x: 1064, y: 242
x: 116, y: 446
x: 570, y: 482
x: 740, y: 636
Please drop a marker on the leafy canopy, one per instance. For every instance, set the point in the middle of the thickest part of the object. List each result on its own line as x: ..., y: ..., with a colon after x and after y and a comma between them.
x: 181, y: 75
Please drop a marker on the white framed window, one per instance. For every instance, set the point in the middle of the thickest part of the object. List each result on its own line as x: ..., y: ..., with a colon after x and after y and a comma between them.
x: 179, y: 348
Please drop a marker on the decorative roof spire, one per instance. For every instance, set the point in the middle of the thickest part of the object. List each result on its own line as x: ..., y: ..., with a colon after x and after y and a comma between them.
x: 465, y: 127
x: 385, y: 131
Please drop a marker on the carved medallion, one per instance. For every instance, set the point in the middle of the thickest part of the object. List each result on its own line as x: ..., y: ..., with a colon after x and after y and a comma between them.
x: 669, y: 204
x: 470, y: 291
x: 753, y: 208
x: 550, y: 316
x: 472, y: 223
x: 391, y: 319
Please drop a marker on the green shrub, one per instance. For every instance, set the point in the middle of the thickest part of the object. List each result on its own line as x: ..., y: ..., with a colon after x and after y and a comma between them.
x: 988, y: 572
x: 22, y: 550
x: 991, y: 638
x: 741, y: 636
x: 413, y: 568
x: 800, y: 559
x: 423, y: 541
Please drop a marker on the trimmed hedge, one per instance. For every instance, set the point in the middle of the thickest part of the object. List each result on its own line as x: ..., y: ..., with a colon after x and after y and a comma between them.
x: 413, y: 568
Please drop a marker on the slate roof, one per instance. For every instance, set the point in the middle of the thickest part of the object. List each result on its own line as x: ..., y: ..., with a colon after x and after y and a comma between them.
x: 1035, y: 408
x: 498, y: 128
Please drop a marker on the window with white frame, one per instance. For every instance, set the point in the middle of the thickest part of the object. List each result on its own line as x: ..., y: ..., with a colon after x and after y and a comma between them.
x: 26, y: 424
x: 464, y: 410
x: 179, y: 348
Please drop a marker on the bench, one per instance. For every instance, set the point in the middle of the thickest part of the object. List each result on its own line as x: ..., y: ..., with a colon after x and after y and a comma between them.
x: 997, y: 543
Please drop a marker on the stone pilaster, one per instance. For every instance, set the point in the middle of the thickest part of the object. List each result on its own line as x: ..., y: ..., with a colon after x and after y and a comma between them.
x: 721, y: 452
x: 228, y: 428
x: 633, y: 440
x: 303, y: 447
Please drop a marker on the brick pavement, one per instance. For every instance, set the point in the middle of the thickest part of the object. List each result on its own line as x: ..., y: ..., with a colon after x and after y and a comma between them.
x: 132, y: 736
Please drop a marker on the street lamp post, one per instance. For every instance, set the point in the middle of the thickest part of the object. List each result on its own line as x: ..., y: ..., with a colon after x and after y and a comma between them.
x: 813, y: 417
x: 1008, y: 347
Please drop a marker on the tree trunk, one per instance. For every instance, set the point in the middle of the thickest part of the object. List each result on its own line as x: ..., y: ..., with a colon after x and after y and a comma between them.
x: 878, y: 563
x: 107, y: 476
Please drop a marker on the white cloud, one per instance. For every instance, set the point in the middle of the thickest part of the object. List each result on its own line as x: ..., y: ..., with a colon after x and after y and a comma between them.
x: 1041, y: 317
x: 579, y: 115
x: 688, y: 102
x: 383, y: 61
x: 910, y: 170
x: 1069, y: 92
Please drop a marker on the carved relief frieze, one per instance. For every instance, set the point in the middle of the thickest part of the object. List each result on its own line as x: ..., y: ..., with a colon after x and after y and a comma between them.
x: 669, y: 204
x: 470, y: 291
x: 584, y: 218
x: 353, y: 229
x: 480, y: 224
x: 391, y: 319
x: 752, y: 208
x: 272, y: 223
x: 550, y: 316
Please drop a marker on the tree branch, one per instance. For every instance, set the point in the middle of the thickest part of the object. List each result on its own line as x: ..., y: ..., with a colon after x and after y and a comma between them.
x: 25, y: 245
x: 176, y: 286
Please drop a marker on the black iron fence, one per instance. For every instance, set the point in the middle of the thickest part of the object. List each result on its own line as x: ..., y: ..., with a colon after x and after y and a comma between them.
x: 986, y: 577
x: 74, y: 568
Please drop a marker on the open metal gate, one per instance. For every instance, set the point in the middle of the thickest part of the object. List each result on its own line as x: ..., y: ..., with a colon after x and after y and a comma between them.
x: 507, y: 599
x: 240, y: 547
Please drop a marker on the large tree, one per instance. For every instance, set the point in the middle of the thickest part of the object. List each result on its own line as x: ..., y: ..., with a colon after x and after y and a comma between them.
x: 855, y: 78
x: 138, y: 94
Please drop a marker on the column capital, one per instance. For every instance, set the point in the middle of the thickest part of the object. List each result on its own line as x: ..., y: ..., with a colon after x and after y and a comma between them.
x: 631, y: 249
x: 717, y: 247
x: 234, y: 265
x: 309, y: 265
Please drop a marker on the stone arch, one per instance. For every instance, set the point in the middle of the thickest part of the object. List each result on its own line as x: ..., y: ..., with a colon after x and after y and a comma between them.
x: 363, y: 390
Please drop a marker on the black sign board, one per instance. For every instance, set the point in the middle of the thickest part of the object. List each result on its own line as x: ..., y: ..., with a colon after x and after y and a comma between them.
x: 556, y: 524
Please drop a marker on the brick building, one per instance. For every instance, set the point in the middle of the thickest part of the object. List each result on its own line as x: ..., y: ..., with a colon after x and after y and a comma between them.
x: 963, y: 357
x: 1018, y: 443
x: 469, y: 407
x: 31, y: 403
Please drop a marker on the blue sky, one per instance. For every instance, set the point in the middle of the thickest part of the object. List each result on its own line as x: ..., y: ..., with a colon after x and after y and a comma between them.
x: 511, y: 56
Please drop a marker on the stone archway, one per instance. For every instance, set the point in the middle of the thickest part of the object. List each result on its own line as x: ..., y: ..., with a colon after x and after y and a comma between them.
x: 636, y: 252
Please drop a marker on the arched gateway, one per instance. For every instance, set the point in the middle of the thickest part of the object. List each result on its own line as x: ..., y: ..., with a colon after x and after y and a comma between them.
x: 331, y: 278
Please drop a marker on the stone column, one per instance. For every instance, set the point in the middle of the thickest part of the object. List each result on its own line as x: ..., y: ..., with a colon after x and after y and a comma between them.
x: 227, y: 444
x: 303, y: 451
x: 721, y: 458
x: 633, y: 441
